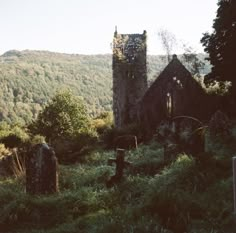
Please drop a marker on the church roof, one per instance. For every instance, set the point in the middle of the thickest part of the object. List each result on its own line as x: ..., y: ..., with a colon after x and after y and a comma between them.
x: 174, y: 72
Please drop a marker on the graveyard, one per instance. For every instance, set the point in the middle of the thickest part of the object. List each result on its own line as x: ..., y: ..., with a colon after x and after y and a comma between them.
x: 158, y: 156
x: 180, y: 180
x: 188, y: 195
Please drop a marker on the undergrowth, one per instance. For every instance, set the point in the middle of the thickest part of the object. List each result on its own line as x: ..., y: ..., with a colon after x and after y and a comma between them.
x: 191, y: 195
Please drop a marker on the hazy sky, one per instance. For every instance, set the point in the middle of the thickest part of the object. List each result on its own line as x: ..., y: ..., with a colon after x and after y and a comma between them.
x: 87, y: 26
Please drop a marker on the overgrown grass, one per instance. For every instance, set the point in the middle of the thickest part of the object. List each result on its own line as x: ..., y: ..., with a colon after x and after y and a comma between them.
x: 189, y: 195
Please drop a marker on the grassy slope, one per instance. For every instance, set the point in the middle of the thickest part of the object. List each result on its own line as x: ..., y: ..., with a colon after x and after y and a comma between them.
x: 193, y: 195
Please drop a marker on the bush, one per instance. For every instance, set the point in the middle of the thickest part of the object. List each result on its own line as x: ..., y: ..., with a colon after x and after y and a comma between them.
x: 13, y: 135
x: 64, y: 116
x: 103, y: 122
x: 4, y: 151
x: 66, y: 125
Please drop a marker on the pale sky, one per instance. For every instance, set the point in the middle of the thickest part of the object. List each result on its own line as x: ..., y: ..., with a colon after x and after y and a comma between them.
x: 87, y: 26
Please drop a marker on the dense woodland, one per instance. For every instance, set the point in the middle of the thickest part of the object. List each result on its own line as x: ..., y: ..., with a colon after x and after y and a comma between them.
x: 29, y: 79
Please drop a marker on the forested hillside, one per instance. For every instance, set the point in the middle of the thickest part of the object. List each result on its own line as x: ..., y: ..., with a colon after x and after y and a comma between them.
x: 29, y: 78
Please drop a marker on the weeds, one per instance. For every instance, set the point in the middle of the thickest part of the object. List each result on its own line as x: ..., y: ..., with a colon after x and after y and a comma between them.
x: 189, y: 195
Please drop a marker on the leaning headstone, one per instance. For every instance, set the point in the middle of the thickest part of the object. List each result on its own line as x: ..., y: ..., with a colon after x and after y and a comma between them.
x: 234, y: 183
x: 41, y: 170
x: 121, y: 164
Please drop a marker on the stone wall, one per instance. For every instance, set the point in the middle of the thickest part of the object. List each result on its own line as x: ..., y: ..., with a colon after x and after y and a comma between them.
x: 129, y: 76
x: 174, y: 93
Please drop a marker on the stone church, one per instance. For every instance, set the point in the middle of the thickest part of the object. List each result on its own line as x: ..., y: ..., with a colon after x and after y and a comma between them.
x: 174, y: 92
x: 129, y: 76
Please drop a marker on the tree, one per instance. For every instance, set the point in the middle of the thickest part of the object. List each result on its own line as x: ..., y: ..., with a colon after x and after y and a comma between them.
x: 64, y: 116
x: 168, y: 41
x: 221, y: 46
x: 193, y: 63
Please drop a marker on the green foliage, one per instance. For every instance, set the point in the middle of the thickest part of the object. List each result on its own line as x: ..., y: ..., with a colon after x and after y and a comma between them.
x: 37, y: 139
x: 3, y: 151
x: 218, y: 88
x: 13, y: 135
x: 103, y: 122
x: 190, y: 195
x: 221, y: 47
x: 176, y: 195
x: 192, y: 61
x: 66, y: 124
x: 147, y: 160
x: 65, y: 116
x: 29, y: 79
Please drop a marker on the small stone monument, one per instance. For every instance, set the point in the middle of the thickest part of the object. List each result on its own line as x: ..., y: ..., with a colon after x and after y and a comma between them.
x: 234, y: 183
x: 41, y: 170
x: 121, y: 164
x: 181, y: 134
x: 126, y: 142
x: 219, y: 125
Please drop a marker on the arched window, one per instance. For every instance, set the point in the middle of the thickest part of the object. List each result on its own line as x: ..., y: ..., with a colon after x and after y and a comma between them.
x: 169, y: 104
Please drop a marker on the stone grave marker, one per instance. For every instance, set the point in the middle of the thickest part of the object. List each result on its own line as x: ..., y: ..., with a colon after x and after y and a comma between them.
x: 220, y: 125
x: 166, y: 135
x: 126, y: 142
x: 121, y: 164
x: 41, y: 170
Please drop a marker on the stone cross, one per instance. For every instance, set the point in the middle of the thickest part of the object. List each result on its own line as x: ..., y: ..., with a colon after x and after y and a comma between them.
x: 121, y: 164
x: 41, y: 170
x: 234, y: 183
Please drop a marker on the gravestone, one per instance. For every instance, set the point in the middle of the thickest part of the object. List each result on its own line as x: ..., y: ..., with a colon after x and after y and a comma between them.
x: 219, y: 133
x: 180, y: 135
x: 121, y: 164
x: 126, y: 142
x: 41, y: 170
x: 219, y: 125
x: 234, y: 183
x: 166, y: 135
x: 190, y: 135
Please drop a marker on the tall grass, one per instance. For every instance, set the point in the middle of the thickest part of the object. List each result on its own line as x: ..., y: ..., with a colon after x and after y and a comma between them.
x: 191, y: 195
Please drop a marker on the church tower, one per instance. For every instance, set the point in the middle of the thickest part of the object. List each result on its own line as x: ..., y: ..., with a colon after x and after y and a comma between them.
x: 129, y: 75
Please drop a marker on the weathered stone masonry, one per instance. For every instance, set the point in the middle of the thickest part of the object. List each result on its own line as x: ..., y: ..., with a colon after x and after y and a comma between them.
x: 129, y: 76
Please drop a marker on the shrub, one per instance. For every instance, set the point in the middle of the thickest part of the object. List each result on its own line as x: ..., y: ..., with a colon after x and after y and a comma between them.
x: 66, y: 125
x: 4, y: 151
x: 64, y: 116
x: 13, y: 135
x: 37, y: 139
x: 103, y: 122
